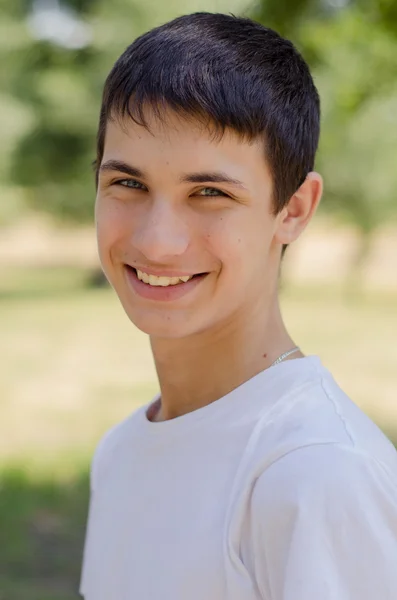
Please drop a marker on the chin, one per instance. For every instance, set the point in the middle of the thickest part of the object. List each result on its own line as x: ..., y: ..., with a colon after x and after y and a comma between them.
x: 161, y: 324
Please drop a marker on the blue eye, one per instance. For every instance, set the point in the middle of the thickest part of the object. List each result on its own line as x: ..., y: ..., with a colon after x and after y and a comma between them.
x: 131, y: 183
x: 212, y: 192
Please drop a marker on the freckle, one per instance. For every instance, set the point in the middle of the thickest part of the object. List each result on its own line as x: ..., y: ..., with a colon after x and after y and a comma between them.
x: 239, y: 240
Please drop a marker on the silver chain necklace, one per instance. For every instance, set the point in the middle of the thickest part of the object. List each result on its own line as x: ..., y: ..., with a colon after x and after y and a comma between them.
x: 280, y: 358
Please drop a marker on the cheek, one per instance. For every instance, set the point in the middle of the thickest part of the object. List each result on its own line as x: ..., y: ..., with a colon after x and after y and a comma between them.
x: 240, y: 242
x: 110, y: 225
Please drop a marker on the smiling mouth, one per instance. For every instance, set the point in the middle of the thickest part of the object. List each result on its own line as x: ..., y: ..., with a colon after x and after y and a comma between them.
x: 163, y: 281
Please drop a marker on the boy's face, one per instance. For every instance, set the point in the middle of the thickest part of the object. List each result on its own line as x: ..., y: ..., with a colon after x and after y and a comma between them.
x: 158, y: 211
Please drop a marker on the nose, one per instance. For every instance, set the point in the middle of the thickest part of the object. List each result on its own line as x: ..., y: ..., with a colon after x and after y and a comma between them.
x: 161, y: 233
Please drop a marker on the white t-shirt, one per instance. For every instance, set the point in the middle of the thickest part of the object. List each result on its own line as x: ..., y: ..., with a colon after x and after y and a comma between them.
x: 281, y: 490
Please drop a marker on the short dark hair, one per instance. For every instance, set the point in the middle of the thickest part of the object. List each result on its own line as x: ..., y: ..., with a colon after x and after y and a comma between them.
x: 229, y: 72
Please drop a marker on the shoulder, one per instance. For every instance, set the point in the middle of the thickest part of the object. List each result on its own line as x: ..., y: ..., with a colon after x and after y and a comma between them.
x: 320, y: 415
x: 323, y: 477
x: 108, y: 445
x: 323, y: 524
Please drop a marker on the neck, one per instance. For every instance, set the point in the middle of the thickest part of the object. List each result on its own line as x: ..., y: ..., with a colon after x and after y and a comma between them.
x: 195, y: 371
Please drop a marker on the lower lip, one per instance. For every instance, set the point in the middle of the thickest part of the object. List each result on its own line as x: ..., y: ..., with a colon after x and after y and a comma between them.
x: 161, y: 293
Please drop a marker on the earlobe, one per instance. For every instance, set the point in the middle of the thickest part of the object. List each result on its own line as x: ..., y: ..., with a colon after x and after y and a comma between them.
x: 300, y: 209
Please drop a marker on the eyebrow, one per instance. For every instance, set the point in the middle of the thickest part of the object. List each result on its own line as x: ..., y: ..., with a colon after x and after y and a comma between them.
x: 201, y: 177
x: 122, y: 167
x: 213, y: 177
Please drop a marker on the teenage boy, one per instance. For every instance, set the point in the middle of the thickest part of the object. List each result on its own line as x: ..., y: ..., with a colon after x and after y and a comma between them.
x: 251, y: 475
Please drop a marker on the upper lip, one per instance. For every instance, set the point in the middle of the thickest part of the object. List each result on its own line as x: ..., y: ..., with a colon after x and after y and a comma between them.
x: 164, y: 272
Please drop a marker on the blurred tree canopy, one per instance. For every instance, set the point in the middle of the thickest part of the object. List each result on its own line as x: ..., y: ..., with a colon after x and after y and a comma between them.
x: 56, y: 56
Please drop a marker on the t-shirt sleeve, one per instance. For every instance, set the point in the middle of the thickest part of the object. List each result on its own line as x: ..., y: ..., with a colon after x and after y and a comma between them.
x: 323, y: 526
x: 99, y: 461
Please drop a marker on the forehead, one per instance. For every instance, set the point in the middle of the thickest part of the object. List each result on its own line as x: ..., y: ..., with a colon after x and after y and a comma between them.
x: 180, y: 143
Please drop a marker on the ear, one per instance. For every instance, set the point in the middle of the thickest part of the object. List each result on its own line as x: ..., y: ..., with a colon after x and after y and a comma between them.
x: 301, y: 207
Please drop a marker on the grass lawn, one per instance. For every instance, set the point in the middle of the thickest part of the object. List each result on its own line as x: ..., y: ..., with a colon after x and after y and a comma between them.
x: 73, y: 365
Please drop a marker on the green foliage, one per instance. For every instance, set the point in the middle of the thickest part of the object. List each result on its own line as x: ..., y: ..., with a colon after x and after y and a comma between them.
x: 42, y: 525
x: 285, y: 16
x: 357, y: 81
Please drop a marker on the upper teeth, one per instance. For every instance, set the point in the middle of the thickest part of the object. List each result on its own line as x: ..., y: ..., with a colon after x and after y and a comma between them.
x: 164, y: 281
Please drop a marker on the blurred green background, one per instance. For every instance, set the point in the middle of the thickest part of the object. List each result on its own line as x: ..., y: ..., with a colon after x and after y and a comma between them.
x: 71, y: 363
